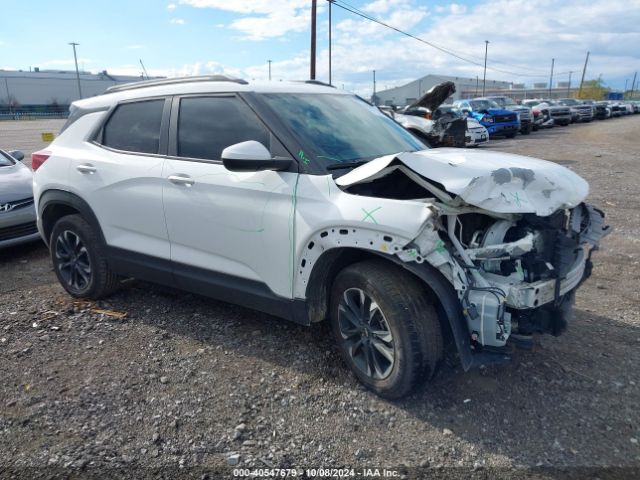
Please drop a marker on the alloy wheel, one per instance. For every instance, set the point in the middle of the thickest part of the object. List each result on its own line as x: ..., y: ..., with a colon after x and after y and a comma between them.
x: 73, y: 262
x: 366, y: 334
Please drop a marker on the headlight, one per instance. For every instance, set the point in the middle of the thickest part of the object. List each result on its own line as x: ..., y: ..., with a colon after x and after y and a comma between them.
x: 487, y: 119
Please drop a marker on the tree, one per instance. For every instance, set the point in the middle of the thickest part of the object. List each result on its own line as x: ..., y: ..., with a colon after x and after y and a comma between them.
x: 594, y: 89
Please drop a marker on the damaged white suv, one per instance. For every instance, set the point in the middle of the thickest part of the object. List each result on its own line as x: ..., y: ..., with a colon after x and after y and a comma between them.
x: 308, y: 203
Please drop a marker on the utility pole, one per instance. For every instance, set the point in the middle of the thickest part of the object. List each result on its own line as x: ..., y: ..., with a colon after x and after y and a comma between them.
x: 314, y: 8
x: 484, y: 77
x: 144, y: 69
x: 269, y: 69
x: 375, y: 100
x: 584, y: 70
x: 553, y: 60
x: 477, y: 81
x: 624, y: 92
x: 330, y: 2
x: 569, y: 86
x: 75, y: 57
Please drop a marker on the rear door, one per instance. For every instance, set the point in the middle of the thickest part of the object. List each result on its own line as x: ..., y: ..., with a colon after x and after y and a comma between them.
x: 119, y: 174
x: 224, y: 226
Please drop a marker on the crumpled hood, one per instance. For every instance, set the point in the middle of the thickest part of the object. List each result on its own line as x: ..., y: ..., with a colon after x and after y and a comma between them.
x: 15, y: 183
x: 494, y: 181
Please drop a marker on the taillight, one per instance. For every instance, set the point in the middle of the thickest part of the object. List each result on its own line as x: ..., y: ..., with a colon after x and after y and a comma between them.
x: 38, y: 158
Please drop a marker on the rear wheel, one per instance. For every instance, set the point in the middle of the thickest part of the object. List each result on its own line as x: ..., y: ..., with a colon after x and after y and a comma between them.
x: 387, y: 330
x: 79, y: 260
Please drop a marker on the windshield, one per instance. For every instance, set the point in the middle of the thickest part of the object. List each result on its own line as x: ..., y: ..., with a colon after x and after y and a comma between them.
x: 5, y: 161
x: 502, y: 101
x: 570, y: 101
x: 340, y: 128
x: 483, y: 104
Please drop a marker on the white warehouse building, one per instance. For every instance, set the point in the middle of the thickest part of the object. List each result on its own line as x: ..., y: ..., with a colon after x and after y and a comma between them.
x: 50, y: 88
x: 400, y: 96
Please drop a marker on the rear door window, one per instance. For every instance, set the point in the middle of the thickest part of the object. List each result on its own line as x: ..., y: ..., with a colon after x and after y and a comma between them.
x: 135, y: 127
x: 207, y: 125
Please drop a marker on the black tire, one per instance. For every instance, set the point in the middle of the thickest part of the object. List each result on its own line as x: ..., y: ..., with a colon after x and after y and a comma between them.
x: 403, y: 311
x: 511, y: 135
x: 79, y: 259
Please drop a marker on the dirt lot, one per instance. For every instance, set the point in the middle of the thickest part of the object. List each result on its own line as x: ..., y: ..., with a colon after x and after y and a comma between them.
x: 183, y: 382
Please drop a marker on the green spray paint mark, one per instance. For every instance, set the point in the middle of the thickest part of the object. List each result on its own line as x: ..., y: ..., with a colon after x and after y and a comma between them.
x: 370, y: 215
x: 517, y: 199
x: 440, y: 247
x: 303, y: 157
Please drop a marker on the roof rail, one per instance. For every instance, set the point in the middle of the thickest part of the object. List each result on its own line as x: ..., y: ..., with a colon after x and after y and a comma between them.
x: 174, y: 81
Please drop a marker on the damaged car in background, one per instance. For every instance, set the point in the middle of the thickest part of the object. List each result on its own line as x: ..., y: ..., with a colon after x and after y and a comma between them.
x: 439, y: 125
x: 309, y: 203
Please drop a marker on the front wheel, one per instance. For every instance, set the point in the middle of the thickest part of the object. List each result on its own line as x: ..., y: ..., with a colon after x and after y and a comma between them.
x: 79, y: 260
x: 385, y: 326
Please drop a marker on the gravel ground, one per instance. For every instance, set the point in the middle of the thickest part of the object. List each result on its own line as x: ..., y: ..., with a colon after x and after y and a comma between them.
x: 186, y: 386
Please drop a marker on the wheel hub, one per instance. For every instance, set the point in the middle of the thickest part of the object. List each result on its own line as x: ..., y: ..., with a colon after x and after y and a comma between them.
x: 366, y: 334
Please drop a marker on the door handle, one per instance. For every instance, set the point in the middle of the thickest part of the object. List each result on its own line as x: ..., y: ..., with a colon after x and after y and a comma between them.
x: 182, y: 180
x: 86, y: 168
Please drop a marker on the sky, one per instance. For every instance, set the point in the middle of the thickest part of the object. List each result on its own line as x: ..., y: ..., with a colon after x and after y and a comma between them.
x: 238, y: 37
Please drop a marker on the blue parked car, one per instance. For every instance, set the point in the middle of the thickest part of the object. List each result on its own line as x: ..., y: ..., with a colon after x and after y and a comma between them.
x: 496, y: 120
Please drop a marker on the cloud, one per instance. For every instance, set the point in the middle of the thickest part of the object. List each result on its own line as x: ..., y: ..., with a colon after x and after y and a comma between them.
x: 171, y: 7
x: 135, y: 47
x: 523, y: 36
x: 177, y: 21
x: 263, y: 19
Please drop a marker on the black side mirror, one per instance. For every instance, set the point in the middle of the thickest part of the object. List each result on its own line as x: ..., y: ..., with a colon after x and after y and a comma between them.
x: 251, y: 156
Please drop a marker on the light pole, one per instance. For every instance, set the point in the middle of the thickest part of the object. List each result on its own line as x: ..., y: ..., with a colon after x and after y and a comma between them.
x: 330, y: 2
x: 484, y: 77
x: 375, y: 100
x: 551, y: 77
x: 569, y: 86
x: 314, y: 7
x: 75, y: 58
x: 269, y: 69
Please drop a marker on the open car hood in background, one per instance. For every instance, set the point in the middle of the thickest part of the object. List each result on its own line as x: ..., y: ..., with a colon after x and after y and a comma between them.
x: 493, y: 181
x: 435, y: 96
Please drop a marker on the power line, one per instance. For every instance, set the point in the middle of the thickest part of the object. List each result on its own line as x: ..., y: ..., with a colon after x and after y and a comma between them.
x: 354, y: 10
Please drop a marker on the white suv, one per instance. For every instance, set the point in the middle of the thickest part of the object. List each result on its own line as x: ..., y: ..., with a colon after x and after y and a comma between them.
x: 308, y: 203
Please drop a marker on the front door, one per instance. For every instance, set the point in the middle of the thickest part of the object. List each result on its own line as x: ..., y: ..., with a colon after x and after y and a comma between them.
x: 226, y: 227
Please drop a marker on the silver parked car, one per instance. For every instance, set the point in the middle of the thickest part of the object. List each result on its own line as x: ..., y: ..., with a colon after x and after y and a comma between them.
x: 17, y: 211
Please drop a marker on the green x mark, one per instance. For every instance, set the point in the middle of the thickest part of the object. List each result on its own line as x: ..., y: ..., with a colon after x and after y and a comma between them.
x: 370, y: 215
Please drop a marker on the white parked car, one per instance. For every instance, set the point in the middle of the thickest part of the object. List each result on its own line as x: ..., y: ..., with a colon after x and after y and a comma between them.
x: 416, y: 121
x: 308, y: 203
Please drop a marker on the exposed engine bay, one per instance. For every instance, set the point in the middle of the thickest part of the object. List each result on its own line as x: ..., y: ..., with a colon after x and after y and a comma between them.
x: 514, y: 242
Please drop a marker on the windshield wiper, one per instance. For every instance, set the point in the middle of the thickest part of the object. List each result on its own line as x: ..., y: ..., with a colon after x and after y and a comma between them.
x: 338, y: 166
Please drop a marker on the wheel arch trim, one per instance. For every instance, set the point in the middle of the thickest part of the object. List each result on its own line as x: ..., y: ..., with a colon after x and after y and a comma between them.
x: 53, y: 198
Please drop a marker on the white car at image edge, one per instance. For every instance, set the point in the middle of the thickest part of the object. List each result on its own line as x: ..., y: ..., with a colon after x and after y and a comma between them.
x: 306, y: 202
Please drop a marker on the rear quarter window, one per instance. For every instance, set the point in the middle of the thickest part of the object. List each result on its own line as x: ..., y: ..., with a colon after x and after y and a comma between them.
x: 135, y: 127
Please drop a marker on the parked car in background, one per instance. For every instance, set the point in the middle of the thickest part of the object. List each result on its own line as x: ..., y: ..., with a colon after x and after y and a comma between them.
x: 560, y: 114
x: 17, y: 211
x: 490, y: 115
x: 524, y: 113
x: 616, y: 109
x: 436, y: 126
x: 420, y: 122
x: 541, y: 117
x: 580, y: 112
x: 602, y: 110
